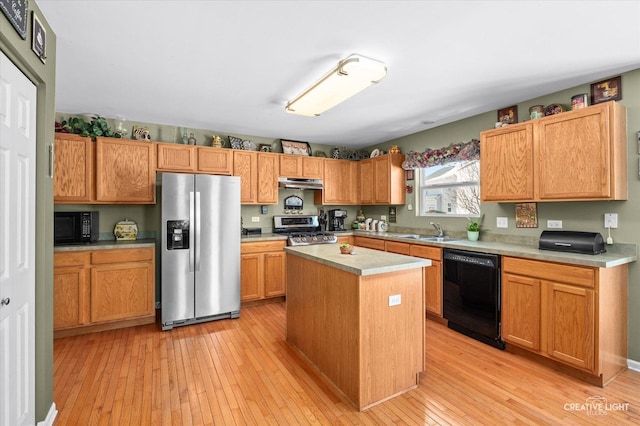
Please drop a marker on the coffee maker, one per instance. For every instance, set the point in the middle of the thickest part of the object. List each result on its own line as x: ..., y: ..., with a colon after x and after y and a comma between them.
x: 336, y: 219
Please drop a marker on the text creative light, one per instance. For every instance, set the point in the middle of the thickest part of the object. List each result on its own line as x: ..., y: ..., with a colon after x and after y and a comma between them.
x: 350, y: 76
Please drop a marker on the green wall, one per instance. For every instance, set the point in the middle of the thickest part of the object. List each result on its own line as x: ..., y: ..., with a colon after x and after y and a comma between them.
x: 579, y: 216
x: 43, y: 76
x: 583, y: 216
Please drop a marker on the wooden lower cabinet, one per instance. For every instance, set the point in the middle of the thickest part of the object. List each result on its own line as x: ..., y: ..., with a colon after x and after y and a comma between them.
x: 372, y: 243
x: 573, y: 315
x: 98, y: 290
x: 432, y: 277
x: 262, y: 270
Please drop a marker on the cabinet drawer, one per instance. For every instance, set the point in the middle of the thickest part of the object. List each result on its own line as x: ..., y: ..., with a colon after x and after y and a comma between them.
x: 262, y: 246
x: 426, y: 252
x: 371, y: 243
x: 121, y: 256
x: 73, y: 258
x: 395, y: 247
x: 576, y: 275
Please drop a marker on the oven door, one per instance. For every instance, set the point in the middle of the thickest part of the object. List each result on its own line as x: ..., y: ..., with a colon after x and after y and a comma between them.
x: 471, y: 294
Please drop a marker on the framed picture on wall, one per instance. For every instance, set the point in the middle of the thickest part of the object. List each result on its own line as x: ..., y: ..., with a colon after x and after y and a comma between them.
x: 39, y: 39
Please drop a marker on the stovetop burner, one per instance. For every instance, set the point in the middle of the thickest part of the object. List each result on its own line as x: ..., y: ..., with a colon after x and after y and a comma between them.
x: 305, y: 239
x: 302, y: 230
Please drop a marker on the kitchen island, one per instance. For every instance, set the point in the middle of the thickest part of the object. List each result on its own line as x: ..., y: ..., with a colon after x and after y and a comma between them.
x: 359, y: 318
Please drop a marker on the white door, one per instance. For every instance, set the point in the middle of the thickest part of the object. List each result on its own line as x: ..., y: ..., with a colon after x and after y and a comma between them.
x: 17, y: 239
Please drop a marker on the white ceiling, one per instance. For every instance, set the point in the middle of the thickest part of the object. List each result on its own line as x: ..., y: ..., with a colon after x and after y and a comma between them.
x: 231, y: 66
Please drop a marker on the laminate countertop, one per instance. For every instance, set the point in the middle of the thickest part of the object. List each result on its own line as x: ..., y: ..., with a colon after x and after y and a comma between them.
x: 362, y: 261
x: 107, y: 245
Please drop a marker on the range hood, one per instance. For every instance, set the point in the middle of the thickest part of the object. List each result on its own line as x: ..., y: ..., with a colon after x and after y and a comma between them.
x: 294, y: 183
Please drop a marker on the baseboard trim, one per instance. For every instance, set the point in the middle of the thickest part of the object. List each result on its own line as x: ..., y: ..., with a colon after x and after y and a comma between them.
x: 51, y: 416
x: 633, y: 365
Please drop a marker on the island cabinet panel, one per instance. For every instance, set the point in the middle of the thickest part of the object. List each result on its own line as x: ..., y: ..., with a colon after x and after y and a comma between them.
x: 73, y: 175
x: 576, y: 155
x: 125, y: 171
x: 97, y: 290
x: 573, y: 315
x: 343, y: 323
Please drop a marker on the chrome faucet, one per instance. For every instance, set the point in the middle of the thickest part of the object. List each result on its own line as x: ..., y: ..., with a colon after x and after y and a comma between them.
x: 438, y: 228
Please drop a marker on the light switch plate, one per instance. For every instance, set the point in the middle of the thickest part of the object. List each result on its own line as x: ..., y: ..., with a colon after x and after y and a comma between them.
x: 395, y: 299
x: 554, y: 224
x: 502, y: 222
x: 255, y: 218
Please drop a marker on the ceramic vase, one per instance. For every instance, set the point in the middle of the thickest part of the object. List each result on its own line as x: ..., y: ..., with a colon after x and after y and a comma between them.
x: 473, y: 235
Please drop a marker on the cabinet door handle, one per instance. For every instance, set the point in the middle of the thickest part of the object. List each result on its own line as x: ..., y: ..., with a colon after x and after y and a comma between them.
x: 5, y: 301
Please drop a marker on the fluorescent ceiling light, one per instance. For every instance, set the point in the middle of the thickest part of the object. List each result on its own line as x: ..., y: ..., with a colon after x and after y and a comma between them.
x: 350, y: 76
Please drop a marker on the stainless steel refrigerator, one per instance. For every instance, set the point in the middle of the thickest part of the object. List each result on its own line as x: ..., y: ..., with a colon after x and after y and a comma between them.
x: 200, y: 279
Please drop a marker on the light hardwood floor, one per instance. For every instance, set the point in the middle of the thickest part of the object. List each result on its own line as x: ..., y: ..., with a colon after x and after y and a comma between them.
x: 243, y: 372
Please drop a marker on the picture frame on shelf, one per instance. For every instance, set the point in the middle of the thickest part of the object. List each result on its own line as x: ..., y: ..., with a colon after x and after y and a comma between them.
x: 264, y: 147
x: 579, y: 101
x: 508, y: 115
x: 295, y: 147
x: 606, y: 90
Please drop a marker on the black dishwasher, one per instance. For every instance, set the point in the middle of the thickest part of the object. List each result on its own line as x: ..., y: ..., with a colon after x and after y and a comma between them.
x: 471, y: 294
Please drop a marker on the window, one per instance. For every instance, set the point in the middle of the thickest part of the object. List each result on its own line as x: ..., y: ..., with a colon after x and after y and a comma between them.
x: 452, y: 189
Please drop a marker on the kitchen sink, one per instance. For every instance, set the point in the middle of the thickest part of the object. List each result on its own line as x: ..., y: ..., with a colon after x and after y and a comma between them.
x: 435, y: 239
x: 410, y: 236
x: 430, y: 238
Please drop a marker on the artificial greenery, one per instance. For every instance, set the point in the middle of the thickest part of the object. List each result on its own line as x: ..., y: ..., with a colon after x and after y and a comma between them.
x: 97, y: 127
x: 474, y: 223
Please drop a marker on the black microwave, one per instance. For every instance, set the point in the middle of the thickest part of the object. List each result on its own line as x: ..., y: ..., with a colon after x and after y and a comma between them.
x: 75, y: 227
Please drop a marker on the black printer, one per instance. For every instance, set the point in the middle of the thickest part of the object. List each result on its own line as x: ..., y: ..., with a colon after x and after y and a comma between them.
x: 572, y: 241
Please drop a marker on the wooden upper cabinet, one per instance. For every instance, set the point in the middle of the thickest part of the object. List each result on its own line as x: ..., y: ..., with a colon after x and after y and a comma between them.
x: 299, y: 166
x: 258, y: 176
x: 382, y: 180
x: 506, y: 163
x: 340, y: 185
x: 576, y: 155
x: 73, y: 174
x: 366, y: 181
x: 176, y: 158
x: 125, y: 171
x: 216, y: 161
x: 267, y: 178
x: 245, y: 165
x: 582, y: 154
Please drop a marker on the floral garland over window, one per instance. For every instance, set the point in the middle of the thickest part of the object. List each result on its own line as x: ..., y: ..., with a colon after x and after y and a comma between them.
x: 463, y: 151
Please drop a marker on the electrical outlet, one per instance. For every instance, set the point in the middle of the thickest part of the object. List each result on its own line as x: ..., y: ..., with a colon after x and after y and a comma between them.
x: 611, y: 220
x: 255, y: 218
x: 395, y: 299
x: 554, y: 224
x: 502, y: 222
x: 383, y: 217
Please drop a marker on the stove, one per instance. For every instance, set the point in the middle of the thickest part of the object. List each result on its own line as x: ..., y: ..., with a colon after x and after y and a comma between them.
x: 302, y: 230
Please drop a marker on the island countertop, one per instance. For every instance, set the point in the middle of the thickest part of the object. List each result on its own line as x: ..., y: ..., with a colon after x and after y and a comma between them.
x: 362, y: 262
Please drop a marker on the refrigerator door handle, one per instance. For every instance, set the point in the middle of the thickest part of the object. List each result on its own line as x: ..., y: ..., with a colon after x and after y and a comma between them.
x: 192, y: 228
x: 198, y: 232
